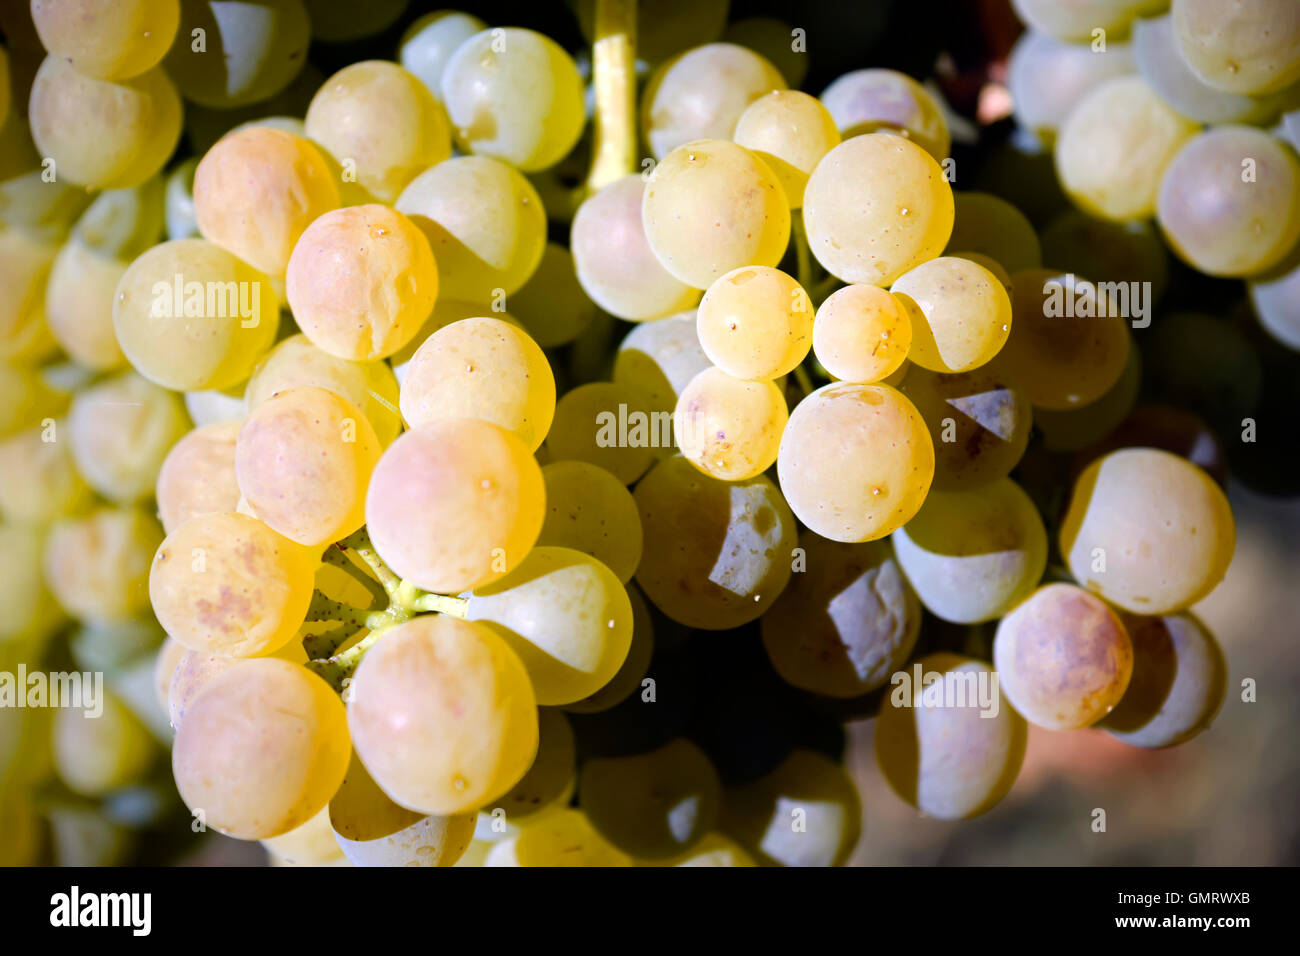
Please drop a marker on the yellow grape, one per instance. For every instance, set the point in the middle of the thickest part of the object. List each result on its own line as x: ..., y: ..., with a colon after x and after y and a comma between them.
x: 610, y: 425
x: 791, y: 132
x: 566, y: 616
x: 303, y: 461
x: 755, y: 322
x: 960, y: 313
x: 445, y: 312
x: 212, y: 407
x: 549, y: 781
x: 589, y: 510
x: 979, y: 424
x: 1114, y: 147
x: 552, y: 306
x: 311, y: 844
x: 1057, y: 360
x: 660, y: 358
x: 1180, y: 679
x: 973, y: 555
x: 39, y: 480
x: 713, y: 850
x: 716, y: 554
x: 79, y: 305
x: 120, y: 430
x: 98, y: 752
x: 907, y: 222
x: 261, y: 46
x: 43, y: 211
x: 759, y: 814
x: 1249, y: 46
x: 98, y: 566
x: 613, y: 259
x: 257, y: 190
x: 847, y: 620
x: 515, y: 95
x: 729, y: 427
x: 107, y: 39
x: 227, y: 584
x: 710, y: 207
x: 484, y: 222
x: 26, y: 398
x: 856, y: 461
x: 985, y: 224
x: 196, y: 669
x: 481, y: 368
x: 1047, y: 77
x: 32, y: 611
x: 773, y: 39
x: 861, y: 334
x: 1075, y: 20
x: 189, y: 315
x: 652, y: 805
x: 1148, y: 531
x: 456, y: 505
x: 1063, y: 658
x: 628, y: 679
x: 866, y: 101
x: 443, y: 715
x: 24, y: 268
x: 564, y: 838
x: 429, y: 42
x: 380, y: 123
x: 262, y: 749
x: 1229, y: 202
x: 952, y: 757
x: 101, y: 134
x: 701, y: 93
x: 295, y: 361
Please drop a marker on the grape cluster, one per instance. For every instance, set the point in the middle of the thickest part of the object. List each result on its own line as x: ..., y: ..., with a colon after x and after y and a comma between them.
x: 419, y: 537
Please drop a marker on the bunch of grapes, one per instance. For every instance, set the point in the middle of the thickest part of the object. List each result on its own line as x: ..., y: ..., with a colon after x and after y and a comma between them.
x: 419, y: 537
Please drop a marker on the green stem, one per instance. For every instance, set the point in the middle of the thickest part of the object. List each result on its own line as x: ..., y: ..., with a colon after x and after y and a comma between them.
x: 337, y: 555
x: 323, y: 608
x: 805, y: 383
x: 803, y: 256
x: 614, y: 78
x: 443, y: 604
x: 326, y: 643
x: 359, y: 541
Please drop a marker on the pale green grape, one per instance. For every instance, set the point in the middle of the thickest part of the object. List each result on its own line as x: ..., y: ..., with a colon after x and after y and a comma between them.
x: 381, y: 124
x: 443, y: 715
x: 629, y: 677
x: 429, y: 42
x: 1048, y: 77
x: 907, y: 222
x: 79, y: 305
x: 262, y: 749
x: 553, y: 306
x: 32, y: 611
x: 660, y: 358
x: 711, y: 207
x: 866, y: 101
x: 847, y: 620
x: 181, y: 223
x: 44, y: 211
x: 729, y: 427
x: 862, y: 334
x: 564, y: 838
x: 311, y: 844
x: 774, y: 39
x: 755, y: 323
x: 589, y: 510
x: 26, y: 398
x: 944, y: 749
x: 225, y: 583
x: 107, y: 39
x: 1077, y: 19
x: 1147, y: 530
x: 120, y: 430
x: 39, y: 480
x: 567, y: 617
x: 550, y: 779
x: 856, y: 461
x: 98, y: 752
x: 791, y: 132
x: 960, y: 313
x: 189, y: 315
x: 24, y: 268
x: 700, y: 94
x: 991, y: 226
x: 456, y: 505
x: 515, y: 95
x: 1248, y: 46
x: 652, y: 805
x: 1063, y: 658
x: 716, y: 554
x: 609, y: 424
x: 1120, y: 251
x: 1276, y: 299
x: 213, y: 407
x: 123, y: 223
x: 485, y: 223
x: 98, y: 566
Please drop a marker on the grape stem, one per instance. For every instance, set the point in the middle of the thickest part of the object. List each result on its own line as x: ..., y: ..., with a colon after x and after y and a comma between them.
x: 614, y: 78
x: 802, y: 254
x: 805, y: 383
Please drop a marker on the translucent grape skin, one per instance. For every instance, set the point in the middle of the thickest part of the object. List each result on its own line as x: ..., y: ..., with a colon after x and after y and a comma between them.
x: 973, y: 555
x: 481, y: 368
x: 553, y: 306
x: 951, y: 760
x: 257, y: 190
x: 629, y: 677
x: 856, y: 461
x: 716, y: 554
x: 515, y: 95
x: 262, y: 749
x: 39, y: 480
x: 1229, y: 203
x: 613, y: 259
x: 98, y: 566
x: 979, y: 424
x: 195, y: 670
x: 755, y: 323
x: 1148, y: 531
x: 653, y: 805
x: 992, y: 226
x: 1077, y: 19
x: 456, y: 505
x: 660, y: 358
x: 361, y: 282
x: 227, y: 584
x: 1063, y: 658
x: 847, y: 620
x: 700, y: 94
x: 429, y: 42
x: 564, y: 838
x: 378, y: 121
x: 1047, y: 77
x: 1252, y: 46
x: 865, y: 101
x: 443, y: 715
x: 565, y: 615
x: 729, y: 427
x: 96, y: 753
x: 598, y: 423
x: 1180, y: 679
x: 711, y: 206
x: 189, y: 315
x: 485, y: 224
x: 791, y: 132
x: 107, y: 40
x: 908, y: 222
x: 861, y: 334
x: 960, y: 313
x: 589, y: 510
x: 309, y: 844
